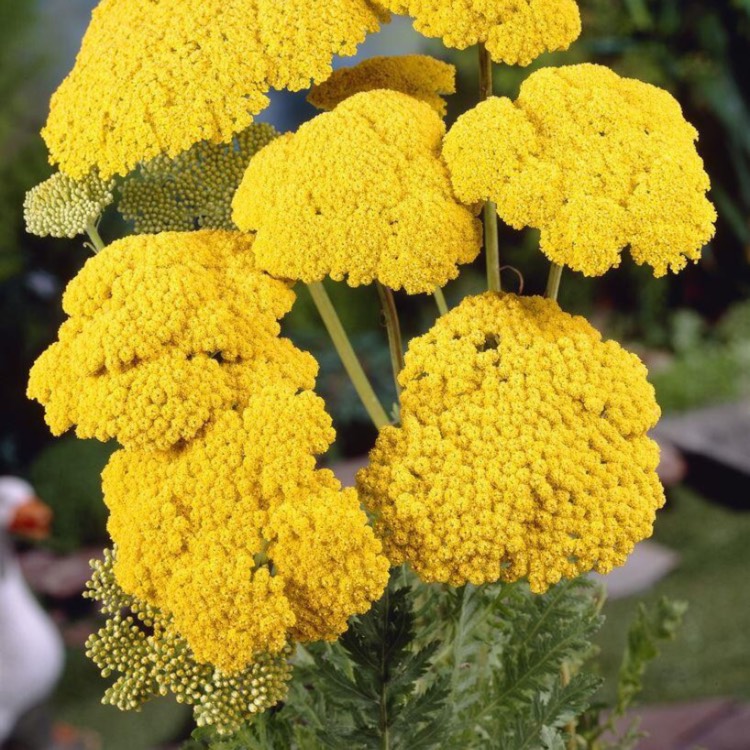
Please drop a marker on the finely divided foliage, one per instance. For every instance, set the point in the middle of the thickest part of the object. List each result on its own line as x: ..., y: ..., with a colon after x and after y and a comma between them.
x: 244, y: 579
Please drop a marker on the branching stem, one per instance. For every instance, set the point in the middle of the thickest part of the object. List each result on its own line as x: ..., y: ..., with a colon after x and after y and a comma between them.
x: 489, y: 212
x: 348, y: 356
x: 95, y: 237
x: 385, y: 730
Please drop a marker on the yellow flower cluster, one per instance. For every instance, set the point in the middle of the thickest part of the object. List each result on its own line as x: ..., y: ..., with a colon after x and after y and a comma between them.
x: 221, y: 520
x: 514, y: 32
x: 420, y: 76
x: 63, y: 207
x: 166, y: 331
x: 193, y: 190
x: 596, y: 162
x: 362, y: 193
x: 157, y: 76
x: 237, y: 535
x: 150, y: 658
x: 523, y: 450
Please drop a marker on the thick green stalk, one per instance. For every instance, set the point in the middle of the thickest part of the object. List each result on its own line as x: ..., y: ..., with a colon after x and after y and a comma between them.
x: 553, y: 282
x: 440, y: 300
x: 95, y: 237
x: 489, y: 212
x: 348, y: 357
x: 385, y: 730
x: 395, y: 343
x: 572, y: 726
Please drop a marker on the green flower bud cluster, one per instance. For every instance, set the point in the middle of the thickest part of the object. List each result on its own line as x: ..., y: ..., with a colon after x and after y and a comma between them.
x: 63, y: 207
x: 193, y: 190
x: 139, y: 643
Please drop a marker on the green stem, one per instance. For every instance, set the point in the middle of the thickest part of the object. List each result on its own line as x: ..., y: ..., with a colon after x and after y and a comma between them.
x: 385, y: 731
x: 395, y: 343
x: 553, y: 282
x: 486, y: 83
x: 348, y: 357
x: 440, y: 299
x: 492, y: 247
x: 489, y: 212
x: 572, y: 726
x: 95, y: 237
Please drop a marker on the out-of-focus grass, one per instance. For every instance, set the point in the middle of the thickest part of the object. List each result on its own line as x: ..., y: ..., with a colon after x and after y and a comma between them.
x: 77, y: 702
x: 711, y: 656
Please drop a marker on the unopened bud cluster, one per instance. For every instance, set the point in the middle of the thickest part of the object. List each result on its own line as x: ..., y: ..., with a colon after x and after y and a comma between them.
x: 63, y: 207
x: 139, y: 644
x: 193, y: 190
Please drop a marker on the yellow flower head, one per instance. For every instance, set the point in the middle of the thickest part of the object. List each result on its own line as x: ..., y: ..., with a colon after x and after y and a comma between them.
x: 194, y: 189
x: 331, y: 560
x: 514, y: 32
x: 157, y: 76
x: 523, y: 450
x: 420, y: 76
x: 64, y: 207
x: 150, y: 658
x: 362, y: 193
x: 596, y: 162
x: 237, y: 536
x: 165, y: 332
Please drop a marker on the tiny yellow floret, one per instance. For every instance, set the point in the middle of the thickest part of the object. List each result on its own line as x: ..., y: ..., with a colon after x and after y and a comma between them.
x: 596, y: 162
x: 359, y: 193
x: 515, y: 32
x: 419, y: 76
x: 239, y: 538
x: 157, y: 76
x: 165, y: 332
x: 523, y: 450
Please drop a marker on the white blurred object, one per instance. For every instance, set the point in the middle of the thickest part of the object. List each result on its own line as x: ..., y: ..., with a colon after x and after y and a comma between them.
x: 31, y: 649
x: 646, y: 566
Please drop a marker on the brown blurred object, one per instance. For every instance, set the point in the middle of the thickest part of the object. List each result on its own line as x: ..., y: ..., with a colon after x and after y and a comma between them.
x: 715, y: 445
x: 714, y: 724
x: 32, y: 519
x: 67, y: 737
x: 58, y: 576
x: 672, y: 467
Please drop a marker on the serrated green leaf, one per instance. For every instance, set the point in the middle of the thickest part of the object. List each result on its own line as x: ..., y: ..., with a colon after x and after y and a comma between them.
x: 648, y: 631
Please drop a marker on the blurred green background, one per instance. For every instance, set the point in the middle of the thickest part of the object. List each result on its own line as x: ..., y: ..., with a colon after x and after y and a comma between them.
x: 694, y: 329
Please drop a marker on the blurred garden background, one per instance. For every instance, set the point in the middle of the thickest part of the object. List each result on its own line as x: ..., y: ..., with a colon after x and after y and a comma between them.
x: 693, y: 330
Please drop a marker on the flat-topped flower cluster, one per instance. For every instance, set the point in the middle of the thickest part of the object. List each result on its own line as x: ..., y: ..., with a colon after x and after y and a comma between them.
x: 520, y: 451
x: 221, y: 519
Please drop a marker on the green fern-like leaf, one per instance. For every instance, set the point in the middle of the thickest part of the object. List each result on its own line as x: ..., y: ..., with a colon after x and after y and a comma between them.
x: 519, y: 652
x: 542, y: 726
x: 647, y: 632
